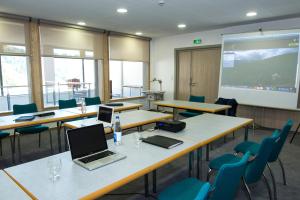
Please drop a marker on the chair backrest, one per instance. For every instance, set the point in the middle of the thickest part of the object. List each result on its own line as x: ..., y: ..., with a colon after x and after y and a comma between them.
x: 200, y: 99
x: 234, y: 104
x: 221, y: 101
x: 25, y: 108
x: 228, y: 180
x: 283, y: 135
x: 257, y: 166
x: 62, y: 104
x: 92, y: 101
x: 202, y: 194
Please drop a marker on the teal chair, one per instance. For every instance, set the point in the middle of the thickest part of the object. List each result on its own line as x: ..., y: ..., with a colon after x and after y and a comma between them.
x: 2, y: 136
x: 64, y: 104
x: 192, y: 113
x: 255, y: 169
x: 89, y: 101
x: 253, y: 147
x: 225, y: 185
x: 37, y: 129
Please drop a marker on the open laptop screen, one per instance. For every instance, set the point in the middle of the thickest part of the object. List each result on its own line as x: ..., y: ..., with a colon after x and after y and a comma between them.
x: 86, y: 140
x: 105, y: 114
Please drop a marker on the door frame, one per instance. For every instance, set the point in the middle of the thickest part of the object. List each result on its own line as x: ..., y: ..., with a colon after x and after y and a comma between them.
x: 176, y: 61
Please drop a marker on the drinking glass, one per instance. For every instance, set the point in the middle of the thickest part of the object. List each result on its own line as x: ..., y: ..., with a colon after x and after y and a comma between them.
x: 137, y: 139
x: 54, y: 167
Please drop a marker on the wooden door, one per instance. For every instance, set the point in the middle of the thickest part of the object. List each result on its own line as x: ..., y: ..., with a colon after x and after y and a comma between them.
x: 205, y: 70
x: 184, y: 60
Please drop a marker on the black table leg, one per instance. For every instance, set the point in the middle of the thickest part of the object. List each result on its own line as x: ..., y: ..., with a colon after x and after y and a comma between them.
x: 246, y: 133
x: 146, y: 185
x: 199, y: 162
x: 154, y: 181
x: 58, y: 136
x: 207, y: 152
x: 191, y: 163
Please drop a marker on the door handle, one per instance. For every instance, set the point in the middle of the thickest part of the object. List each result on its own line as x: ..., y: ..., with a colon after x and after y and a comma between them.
x: 193, y: 84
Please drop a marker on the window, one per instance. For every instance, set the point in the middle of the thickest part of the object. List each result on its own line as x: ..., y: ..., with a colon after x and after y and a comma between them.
x: 14, y: 64
x: 128, y: 66
x: 127, y: 79
x: 71, y: 59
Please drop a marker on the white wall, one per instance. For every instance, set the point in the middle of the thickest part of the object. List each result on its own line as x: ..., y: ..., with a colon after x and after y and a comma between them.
x: 162, y: 49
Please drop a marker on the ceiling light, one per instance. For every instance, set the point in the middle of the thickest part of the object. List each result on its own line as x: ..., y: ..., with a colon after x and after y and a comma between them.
x: 251, y: 14
x: 139, y: 33
x: 181, y: 25
x: 81, y: 23
x: 122, y: 10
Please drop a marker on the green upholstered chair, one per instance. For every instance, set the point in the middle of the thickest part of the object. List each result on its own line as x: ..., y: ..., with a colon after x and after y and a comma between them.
x: 255, y: 168
x: 193, y: 113
x: 37, y: 129
x: 225, y: 185
x: 63, y: 104
x: 2, y: 136
x: 253, y: 147
x: 89, y: 101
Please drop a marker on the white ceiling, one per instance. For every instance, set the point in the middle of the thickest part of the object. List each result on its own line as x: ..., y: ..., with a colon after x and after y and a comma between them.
x: 150, y: 18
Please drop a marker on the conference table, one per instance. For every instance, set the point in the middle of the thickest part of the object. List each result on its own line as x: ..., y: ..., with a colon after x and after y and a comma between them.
x: 132, y: 119
x: 8, y: 122
x: 9, y: 189
x: 188, y: 105
x: 78, y: 183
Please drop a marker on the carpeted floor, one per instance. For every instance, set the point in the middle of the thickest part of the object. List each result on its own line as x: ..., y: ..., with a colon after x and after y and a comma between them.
x: 177, y: 170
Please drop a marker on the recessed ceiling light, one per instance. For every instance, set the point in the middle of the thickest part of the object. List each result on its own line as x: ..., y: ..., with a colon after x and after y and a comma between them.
x: 251, y: 14
x: 81, y: 23
x: 139, y: 33
x: 181, y: 25
x: 122, y: 10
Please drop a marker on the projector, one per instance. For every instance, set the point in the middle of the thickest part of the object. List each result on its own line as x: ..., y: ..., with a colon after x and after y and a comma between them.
x: 172, y: 126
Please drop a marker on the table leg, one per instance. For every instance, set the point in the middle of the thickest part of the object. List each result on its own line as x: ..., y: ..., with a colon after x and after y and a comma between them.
x: 191, y: 163
x: 174, y: 113
x: 154, y: 181
x: 199, y: 163
x: 207, y: 152
x: 146, y: 185
x: 246, y: 133
x: 58, y: 136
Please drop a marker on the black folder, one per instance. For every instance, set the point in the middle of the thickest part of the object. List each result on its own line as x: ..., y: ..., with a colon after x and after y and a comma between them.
x: 162, y: 141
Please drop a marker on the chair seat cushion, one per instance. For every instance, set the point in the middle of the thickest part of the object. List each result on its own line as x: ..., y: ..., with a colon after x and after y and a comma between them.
x: 243, y: 147
x: 3, y: 134
x: 189, y: 114
x: 32, y: 129
x: 188, y: 189
x: 217, y: 163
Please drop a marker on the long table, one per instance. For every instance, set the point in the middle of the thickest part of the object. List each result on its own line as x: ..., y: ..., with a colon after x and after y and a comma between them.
x: 8, y: 122
x: 9, y: 189
x: 196, y: 106
x: 78, y: 183
x: 128, y: 120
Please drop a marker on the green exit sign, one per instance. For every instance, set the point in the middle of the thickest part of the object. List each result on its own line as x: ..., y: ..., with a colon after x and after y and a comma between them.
x: 197, y: 41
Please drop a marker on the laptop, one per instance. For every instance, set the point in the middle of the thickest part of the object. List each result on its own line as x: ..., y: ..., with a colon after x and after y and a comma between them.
x: 105, y: 115
x: 89, y: 149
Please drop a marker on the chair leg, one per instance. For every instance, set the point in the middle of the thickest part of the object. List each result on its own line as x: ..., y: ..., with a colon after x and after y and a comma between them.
x: 268, y: 186
x: 50, y: 137
x: 295, y: 133
x: 247, y: 189
x: 39, y: 140
x: 282, y: 170
x: 19, y: 148
x: 209, y: 173
x: 273, y: 181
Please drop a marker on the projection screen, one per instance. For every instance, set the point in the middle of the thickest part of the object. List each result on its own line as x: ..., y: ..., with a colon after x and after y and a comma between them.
x: 261, y: 68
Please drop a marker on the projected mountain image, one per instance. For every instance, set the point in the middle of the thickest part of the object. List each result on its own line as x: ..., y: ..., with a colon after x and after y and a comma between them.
x: 273, y: 69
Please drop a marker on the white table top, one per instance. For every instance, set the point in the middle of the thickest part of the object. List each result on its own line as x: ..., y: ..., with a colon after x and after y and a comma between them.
x: 9, y: 189
x: 77, y: 182
x: 205, y: 107
x: 128, y: 119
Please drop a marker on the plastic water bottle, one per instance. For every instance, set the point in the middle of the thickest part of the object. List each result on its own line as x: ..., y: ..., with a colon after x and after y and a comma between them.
x: 117, y: 131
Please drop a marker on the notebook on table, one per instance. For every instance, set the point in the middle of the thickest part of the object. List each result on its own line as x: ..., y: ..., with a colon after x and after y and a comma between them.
x: 25, y: 118
x: 89, y: 148
x: 162, y: 141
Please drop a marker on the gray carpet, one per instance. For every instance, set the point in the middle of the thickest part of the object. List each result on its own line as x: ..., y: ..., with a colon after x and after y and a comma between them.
x: 177, y: 170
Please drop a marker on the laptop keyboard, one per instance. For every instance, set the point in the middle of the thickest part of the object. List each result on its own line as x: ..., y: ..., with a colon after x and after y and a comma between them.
x: 96, y: 156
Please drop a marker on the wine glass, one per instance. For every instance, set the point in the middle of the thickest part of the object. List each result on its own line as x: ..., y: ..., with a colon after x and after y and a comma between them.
x: 54, y: 167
